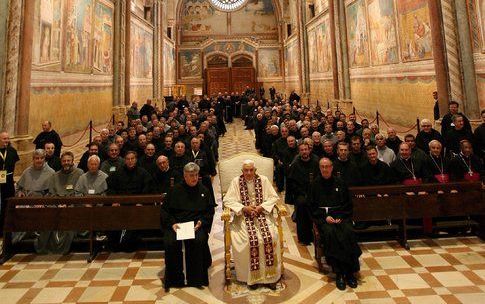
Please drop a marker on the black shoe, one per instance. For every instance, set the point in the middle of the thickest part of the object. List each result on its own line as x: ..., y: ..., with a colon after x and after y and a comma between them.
x: 351, y: 280
x: 340, y: 282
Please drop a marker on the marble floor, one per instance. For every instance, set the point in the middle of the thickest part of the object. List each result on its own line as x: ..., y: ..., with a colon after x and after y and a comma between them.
x: 448, y: 270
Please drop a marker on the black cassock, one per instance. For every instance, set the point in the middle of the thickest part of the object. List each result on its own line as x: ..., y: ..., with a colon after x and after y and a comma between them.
x: 7, y: 163
x: 298, y: 186
x: 338, y: 240
x: 184, y: 204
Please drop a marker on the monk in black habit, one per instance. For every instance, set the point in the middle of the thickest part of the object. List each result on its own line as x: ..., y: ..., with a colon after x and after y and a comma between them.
x: 8, y: 159
x: 301, y: 171
x: 48, y: 135
x: 331, y: 208
x: 186, y: 202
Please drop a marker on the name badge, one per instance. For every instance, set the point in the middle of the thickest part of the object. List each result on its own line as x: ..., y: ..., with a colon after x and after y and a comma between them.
x: 91, y: 191
x: 112, y: 169
x: 3, y: 176
x: 69, y: 187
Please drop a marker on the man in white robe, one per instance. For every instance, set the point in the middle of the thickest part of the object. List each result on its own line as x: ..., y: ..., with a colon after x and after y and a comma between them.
x: 252, y: 199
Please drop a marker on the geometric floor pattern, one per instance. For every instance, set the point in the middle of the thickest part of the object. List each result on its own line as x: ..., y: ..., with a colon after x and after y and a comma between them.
x: 447, y: 270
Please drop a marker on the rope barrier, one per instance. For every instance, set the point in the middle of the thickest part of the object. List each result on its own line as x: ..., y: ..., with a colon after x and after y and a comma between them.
x: 108, y: 123
x: 410, y: 128
x: 402, y: 132
x: 80, y: 138
x: 361, y: 117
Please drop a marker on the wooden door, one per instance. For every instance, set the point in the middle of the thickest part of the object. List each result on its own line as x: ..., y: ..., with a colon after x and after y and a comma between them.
x: 242, y: 77
x: 218, y: 80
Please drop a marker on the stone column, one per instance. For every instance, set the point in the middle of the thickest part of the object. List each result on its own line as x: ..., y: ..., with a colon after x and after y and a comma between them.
x: 3, y: 51
x: 12, y: 57
x: 119, y: 53
x: 127, y: 52
x: 471, y: 106
x: 306, y: 57
x: 282, y: 32
x: 452, y: 49
x: 303, y: 50
x: 333, y: 43
x: 156, y: 49
x: 26, y: 41
x: 119, y: 60
x: 344, y: 61
x: 439, y: 54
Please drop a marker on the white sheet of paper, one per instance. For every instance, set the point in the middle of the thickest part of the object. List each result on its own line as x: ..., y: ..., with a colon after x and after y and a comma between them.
x: 186, y: 231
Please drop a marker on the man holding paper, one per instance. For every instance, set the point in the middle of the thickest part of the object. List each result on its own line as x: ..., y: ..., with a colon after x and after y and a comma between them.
x: 257, y: 256
x: 187, y: 214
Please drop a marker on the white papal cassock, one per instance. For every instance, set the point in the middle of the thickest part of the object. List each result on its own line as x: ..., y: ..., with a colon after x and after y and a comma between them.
x: 240, y: 235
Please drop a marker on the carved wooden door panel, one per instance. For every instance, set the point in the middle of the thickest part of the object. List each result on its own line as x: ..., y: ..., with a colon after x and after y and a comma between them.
x: 218, y: 80
x: 242, y: 77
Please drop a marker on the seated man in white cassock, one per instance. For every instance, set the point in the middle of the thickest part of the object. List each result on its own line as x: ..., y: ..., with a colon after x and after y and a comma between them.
x: 254, y: 234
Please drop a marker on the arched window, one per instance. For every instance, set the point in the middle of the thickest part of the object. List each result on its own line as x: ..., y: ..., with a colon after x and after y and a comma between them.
x: 228, y: 5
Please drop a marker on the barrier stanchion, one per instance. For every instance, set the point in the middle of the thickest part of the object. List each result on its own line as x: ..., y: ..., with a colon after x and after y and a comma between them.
x: 90, y: 131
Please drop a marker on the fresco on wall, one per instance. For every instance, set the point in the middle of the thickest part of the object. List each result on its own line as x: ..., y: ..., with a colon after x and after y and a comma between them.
x: 268, y: 63
x: 414, y: 30
x: 141, y: 50
x: 256, y: 17
x: 168, y: 63
x: 47, y: 35
x: 319, y: 47
x: 103, y: 39
x: 229, y: 47
x: 481, y: 21
x: 190, y: 64
x: 291, y: 58
x: 382, y: 31
x: 78, y: 41
x: 357, y: 34
x: 199, y: 17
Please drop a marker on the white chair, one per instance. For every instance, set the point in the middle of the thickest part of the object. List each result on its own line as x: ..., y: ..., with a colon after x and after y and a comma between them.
x: 228, y: 170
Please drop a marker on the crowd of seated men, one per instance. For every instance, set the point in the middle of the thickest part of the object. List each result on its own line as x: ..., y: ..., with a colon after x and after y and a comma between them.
x: 146, y: 156
x: 155, y: 145
x: 297, y: 137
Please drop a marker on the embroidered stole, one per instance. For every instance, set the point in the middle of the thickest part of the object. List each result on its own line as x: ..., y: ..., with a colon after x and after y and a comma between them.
x: 270, y: 257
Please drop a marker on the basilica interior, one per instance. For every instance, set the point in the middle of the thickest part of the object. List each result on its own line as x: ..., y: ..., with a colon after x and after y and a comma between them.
x: 81, y: 64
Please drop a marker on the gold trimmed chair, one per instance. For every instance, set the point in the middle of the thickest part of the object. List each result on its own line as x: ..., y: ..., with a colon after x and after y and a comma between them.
x: 228, y: 170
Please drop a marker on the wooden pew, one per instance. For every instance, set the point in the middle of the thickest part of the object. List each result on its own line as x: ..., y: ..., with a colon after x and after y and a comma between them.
x: 398, y: 202
x: 93, y: 213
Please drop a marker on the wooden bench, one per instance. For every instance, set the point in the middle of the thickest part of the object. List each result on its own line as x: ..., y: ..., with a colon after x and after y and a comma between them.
x: 401, y: 203
x: 93, y: 213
